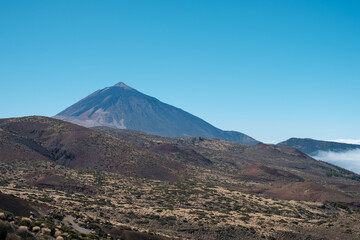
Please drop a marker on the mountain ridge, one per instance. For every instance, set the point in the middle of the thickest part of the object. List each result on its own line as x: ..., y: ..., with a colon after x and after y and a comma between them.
x: 123, y: 107
x: 312, y: 146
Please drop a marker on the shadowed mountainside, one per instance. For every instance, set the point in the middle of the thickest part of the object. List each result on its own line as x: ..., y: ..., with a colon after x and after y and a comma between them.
x: 123, y: 107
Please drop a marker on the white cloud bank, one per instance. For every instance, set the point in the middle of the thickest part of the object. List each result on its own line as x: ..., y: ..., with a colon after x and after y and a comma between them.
x: 349, y: 141
x: 348, y: 159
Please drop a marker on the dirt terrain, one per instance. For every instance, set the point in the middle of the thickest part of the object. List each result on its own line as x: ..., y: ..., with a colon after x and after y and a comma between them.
x: 117, y: 184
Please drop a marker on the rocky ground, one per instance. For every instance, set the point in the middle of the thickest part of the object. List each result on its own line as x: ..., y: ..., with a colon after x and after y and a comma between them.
x: 60, y: 180
x: 94, y: 205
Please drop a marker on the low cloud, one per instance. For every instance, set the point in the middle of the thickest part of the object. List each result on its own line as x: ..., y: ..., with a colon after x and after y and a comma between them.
x: 349, y: 141
x: 348, y: 159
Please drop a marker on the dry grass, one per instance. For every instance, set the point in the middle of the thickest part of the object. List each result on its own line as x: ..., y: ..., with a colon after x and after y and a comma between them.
x: 177, y: 209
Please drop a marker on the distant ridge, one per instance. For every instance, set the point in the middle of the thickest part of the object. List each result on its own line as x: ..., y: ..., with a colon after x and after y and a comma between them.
x: 311, y: 146
x: 123, y: 107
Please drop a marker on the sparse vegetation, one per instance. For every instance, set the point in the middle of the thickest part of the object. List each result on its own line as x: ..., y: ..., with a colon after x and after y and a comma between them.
x: 230, y: 199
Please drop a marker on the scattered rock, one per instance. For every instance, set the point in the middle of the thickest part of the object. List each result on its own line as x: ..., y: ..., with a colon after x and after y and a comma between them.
x: 2, y: 216
x: 59, y: 238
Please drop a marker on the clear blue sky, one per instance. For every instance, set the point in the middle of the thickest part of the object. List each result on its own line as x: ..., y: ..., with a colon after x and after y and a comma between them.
x: 271, y: 69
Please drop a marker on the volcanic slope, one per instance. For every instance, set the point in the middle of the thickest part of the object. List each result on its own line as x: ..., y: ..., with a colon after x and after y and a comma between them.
x: 114, y: 181
x: 264, y: 167
x: 123, y: 107
x: 135, y: 154
x: 32, y: 139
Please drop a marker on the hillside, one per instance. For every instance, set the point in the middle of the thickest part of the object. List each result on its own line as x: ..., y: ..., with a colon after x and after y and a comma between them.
x: 131, y: 185
x: 33, y: 139
x: 135, y: 154
x: 266, y: 165
x: 123, y: 107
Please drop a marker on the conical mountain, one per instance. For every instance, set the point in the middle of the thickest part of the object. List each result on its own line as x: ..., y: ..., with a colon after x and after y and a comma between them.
x: 123, y: 107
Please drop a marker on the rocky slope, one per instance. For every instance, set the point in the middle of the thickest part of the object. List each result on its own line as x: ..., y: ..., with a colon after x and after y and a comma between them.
x: 127, y: 184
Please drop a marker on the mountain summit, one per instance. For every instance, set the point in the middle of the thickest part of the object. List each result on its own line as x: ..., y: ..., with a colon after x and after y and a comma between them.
x: 123, y: 107
x: 122, y: 85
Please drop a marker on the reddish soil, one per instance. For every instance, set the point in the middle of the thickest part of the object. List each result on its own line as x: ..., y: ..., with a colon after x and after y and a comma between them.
x: 259, y: 172
x: 22, y: 207
x: 52, y: 181
x: 73, y: 146
x: 309, y: 191
x: 189, y: 155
